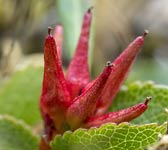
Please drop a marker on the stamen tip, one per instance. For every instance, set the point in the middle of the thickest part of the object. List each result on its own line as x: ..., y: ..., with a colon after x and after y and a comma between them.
x: 90, y: 9
x: 145, y: 33
x: 147, y: 100
x: 49, y: 30
x: 110, y: 64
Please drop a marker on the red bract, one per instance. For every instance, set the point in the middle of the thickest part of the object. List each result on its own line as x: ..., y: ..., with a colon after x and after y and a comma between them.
x: 70, y: 102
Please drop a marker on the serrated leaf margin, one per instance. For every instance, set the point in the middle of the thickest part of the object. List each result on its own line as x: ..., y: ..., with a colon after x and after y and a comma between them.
x: 69, y: 142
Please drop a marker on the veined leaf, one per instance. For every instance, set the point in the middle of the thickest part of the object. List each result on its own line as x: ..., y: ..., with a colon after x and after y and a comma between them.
x: 136, y: 92
x: 110, y: 137
x: 15, y: 135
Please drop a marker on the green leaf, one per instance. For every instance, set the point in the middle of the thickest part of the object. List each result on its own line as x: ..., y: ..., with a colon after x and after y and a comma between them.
x: 110, y: 137
x: 19, y: 96
x: 15, y: 135
x: 136, y: 93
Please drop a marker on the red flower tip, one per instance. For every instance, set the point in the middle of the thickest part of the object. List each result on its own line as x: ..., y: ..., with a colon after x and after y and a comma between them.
x: 90, y: 9
x: 146, y: 32
x: 147, y: 100
x: 110, y: 64
x: 49, y: 30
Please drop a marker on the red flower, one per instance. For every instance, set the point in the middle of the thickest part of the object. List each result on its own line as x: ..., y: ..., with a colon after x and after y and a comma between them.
x: 73, y: 101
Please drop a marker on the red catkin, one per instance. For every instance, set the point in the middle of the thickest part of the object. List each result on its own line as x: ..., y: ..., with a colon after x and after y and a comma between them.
x: 73, y: 102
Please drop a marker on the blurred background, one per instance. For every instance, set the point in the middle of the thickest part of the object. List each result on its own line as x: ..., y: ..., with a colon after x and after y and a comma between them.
x: 23, y: 27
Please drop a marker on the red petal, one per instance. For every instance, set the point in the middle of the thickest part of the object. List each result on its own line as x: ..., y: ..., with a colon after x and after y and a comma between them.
x: 85, y: 103
x: 78, y: 70
x: 122, y: 66
x: 124, y: 115
x: 55, y: 96
x: 58, y: 36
